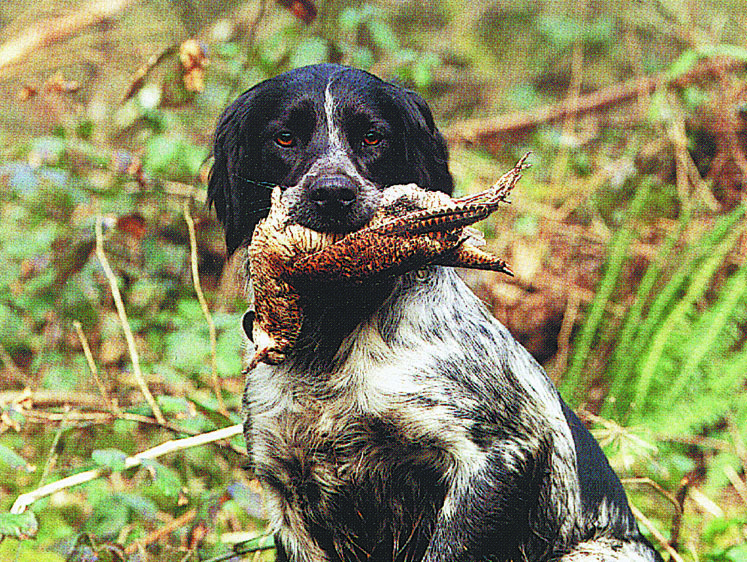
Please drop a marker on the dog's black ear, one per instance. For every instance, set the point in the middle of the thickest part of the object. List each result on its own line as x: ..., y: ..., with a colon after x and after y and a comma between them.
x: 239, y: 201
x: 427, y: 150
x: 219, y: 183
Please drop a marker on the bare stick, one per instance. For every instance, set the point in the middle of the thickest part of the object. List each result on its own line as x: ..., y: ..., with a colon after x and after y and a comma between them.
x: 646, y: 522
x: 125, y: 323
x: 167, y: 529
x: 51, y: 31
x: 564, y: 336
x: 490, y: 130
x: 656, y: 486
x: 205, y: 307
x: 52, y: 456
x: 674, y: 535
x: 25, y: 500
x: 92, y: 366
x: 574, y: 90
x: 50, y: 398
x: 138, y: 79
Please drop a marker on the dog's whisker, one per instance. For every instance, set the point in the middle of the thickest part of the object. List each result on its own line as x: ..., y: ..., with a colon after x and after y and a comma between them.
x: 266, y: 184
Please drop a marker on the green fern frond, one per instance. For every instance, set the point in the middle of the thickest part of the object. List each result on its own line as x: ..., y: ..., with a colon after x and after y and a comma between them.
x: 711, y: 336
x: 620, y: 371
x: 719, y: 392
x: 677, y: 318
x: 694, y: 254
x: 618, y: 255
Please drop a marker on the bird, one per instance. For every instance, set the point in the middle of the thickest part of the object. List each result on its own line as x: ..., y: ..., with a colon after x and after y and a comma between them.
x: 412, y: 228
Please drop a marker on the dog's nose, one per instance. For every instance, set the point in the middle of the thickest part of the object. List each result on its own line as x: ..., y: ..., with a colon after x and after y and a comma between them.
x: 332, y: 195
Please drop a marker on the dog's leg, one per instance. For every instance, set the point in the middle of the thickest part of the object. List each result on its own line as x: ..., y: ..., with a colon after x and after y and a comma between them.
x: 493, y: 507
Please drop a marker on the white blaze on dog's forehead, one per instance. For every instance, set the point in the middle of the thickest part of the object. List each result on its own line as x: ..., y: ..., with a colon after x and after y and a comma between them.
x: 333, y: 131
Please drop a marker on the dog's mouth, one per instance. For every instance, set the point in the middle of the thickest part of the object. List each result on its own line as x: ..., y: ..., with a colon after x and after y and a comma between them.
x: 301, y: 236
x: 332, y: 204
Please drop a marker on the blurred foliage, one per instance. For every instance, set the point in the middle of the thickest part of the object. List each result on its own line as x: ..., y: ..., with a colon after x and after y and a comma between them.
x: 627, y: 238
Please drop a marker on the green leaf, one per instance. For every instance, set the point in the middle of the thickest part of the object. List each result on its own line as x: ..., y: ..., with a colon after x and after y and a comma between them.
x: 13, y: 459
x: 173, y: 157
x: 19, y: 525
x: 383, y: 36
x: 109, y: 517
x: 173, y: 405
x: 112, y: 458
x: 737, y: 553
x: 683, y: 64
x: 167, y: 481
x: 310, y: 51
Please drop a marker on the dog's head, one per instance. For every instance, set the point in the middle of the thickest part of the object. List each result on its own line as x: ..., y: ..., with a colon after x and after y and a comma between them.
x: 333, y: 136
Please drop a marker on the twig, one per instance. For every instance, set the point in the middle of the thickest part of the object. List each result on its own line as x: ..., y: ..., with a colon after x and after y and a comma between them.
x: 485, y: 131
x: 656, y: 486
x: 52, y: 456
x: 655, y: 533
x: 138, y: 79
x: 205, y: 308
x: 156, y: 535
x: 45, y: 398
x: 51, y: 31
x: 254, y: 26
x: 25, y: 500
x: 92, y: 366
x: 564, y: 336
x: 736, y: 482
x: 636, y: 61
x: 740, y: 449
x: 180, y: 189
x: 125, y: 323
x: 674, y: 535
x: 686, y: 172
x: 569, y: 121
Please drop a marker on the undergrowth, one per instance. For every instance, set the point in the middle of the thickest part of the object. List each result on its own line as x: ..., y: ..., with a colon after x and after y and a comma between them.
x: 658, y: 360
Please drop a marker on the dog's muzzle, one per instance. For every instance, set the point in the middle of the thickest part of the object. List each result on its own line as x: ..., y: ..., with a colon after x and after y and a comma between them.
x: 333, y: 197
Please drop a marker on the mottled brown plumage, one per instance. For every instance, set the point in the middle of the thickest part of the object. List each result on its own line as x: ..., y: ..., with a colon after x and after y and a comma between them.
x: 412, y: 228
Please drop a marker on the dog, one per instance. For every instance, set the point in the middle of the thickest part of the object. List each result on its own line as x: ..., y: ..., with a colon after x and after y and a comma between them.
x: 406, y: 424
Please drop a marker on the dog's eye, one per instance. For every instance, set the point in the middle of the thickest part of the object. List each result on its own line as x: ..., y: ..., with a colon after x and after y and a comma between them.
x: 285, y: 139
x: 372, y: 138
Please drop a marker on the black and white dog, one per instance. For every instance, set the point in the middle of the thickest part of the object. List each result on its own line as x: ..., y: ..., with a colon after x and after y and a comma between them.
x: 408, y: 424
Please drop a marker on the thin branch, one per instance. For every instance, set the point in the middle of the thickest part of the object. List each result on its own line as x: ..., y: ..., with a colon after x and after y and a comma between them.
x: 205, y: 308
x: 167, y: 529
x: 574, y: 90
x: 180, y: 189
x: 564, y: 336
x: 39, y: 416
x: 138, y: 79
x: 50, y: 398
x: 51, y: 31
x: 25, y: 500
x: 52, y: 456
x: 125, y: 323
x: 674, y: 535
x: 736, y: 482
x: 646, y: 522
x: 485, y: 131
x: 656, y: 486
x: 92, y: 366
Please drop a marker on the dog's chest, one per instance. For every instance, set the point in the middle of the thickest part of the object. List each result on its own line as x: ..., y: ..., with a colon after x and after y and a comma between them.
x: 367, y: 457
